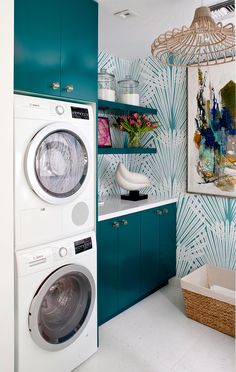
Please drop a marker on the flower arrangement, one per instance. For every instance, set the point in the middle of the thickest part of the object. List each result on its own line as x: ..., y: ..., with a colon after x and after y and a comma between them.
x: 135, y: 124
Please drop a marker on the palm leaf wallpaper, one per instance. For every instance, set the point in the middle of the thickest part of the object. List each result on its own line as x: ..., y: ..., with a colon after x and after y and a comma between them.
x: 206, y: 226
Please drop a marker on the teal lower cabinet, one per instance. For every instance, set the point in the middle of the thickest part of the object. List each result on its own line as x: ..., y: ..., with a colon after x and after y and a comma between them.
x: 118, y: 265
x: 136, y: 256
x: 128, y: 260
x: 149, y: 269
x: 158, y: 247
x: 167, y: 243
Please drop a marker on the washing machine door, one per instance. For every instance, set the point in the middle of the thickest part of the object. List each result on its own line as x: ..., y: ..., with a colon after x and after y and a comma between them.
x: 62, y: 307
x: 57, y: 163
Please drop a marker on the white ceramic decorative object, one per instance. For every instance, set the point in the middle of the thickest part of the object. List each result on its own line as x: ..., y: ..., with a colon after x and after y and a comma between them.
x: 129, y: 180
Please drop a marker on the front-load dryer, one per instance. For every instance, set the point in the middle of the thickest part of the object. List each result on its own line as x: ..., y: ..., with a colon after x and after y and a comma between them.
x: 56, y: 307
x: 54, y: 170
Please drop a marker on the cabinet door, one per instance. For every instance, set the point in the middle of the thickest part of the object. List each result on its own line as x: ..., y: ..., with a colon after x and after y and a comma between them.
x: 167, y: 255
x: 149, y: 251
x: 129, y: 260
x: 79, y: 49
x: 37, y: 46
x: 107, y: 241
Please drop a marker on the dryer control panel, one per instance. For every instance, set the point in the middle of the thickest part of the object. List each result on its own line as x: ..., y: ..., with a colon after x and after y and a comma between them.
x: 83, y: 245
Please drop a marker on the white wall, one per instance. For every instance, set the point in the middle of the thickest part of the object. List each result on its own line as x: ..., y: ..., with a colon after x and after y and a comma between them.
x: 6, y: 188
x: 132, y: 38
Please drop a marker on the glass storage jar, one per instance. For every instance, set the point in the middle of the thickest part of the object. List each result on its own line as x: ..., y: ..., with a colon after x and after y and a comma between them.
x: 128, y: 91
x: 106, y: 85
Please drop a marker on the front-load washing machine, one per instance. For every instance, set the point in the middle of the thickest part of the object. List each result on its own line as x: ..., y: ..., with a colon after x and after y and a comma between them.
x: 54, y: 170
x: 56, y: 313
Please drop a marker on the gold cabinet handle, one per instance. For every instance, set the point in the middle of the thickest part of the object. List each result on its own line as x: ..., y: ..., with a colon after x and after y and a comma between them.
x: 69, y: 88
x: 124, y: 222
x: 55, y: 85
x: 158, y: 212
x: 115, y: 225
x: 165, y: 210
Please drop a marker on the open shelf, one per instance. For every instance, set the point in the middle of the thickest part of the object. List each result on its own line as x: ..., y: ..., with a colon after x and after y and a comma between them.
x: 126, y: 150
x: 118, y: 108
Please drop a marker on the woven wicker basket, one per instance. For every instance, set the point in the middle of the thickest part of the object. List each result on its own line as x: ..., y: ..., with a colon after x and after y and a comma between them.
x: 205, y: 306
x: 211, y: 312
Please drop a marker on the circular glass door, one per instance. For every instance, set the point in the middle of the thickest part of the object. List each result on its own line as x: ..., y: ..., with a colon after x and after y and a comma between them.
x: 57, y: 163
x: 62, y: 306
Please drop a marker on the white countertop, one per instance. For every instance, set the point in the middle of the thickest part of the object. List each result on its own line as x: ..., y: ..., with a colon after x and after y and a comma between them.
x: 115, y: 207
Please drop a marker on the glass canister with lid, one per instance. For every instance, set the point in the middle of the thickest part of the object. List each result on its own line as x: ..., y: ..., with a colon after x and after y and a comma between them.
x: 128, y: 91
x: 106, y: 85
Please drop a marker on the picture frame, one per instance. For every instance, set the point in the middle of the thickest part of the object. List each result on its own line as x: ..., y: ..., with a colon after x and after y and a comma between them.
x: 104, y: 134
x: 211, y: 130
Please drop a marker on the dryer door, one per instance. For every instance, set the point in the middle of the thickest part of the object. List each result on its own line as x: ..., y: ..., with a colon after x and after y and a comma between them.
x: 57, y: 163
x: 62, y: 307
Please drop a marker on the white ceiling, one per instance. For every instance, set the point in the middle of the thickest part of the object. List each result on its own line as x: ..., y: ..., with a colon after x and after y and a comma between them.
x: 131, y: 38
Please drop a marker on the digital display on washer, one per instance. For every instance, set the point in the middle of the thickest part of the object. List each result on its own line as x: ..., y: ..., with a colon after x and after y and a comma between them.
x: 80, y: 113
x: 83, y: 245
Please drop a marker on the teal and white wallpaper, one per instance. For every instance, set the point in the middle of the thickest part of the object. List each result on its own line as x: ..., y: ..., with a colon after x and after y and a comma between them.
x: 206, y: 226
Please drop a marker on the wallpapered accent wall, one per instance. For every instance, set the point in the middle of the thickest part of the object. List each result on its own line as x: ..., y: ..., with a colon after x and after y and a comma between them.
x: 206, y: 226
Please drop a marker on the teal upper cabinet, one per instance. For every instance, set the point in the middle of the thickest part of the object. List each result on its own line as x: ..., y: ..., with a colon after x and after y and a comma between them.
x: 37, y: 46
x: 79, y: 49
x: 56, y: 48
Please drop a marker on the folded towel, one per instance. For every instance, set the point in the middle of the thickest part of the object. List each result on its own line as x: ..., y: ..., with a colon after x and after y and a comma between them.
x: 224, y: 291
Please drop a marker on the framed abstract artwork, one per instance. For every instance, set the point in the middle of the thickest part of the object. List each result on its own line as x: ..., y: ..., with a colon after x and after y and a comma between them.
x: 104, y: 135
x: 212, y: 130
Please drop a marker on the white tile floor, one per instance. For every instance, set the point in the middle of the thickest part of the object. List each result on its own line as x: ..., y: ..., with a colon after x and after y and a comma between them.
x: 156, y: 336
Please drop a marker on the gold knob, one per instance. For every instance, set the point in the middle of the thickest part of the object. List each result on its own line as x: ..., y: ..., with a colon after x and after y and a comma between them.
x: 69, y: 88
x: 55, y: 85
x: 115, y: 225
x: 124, y: 222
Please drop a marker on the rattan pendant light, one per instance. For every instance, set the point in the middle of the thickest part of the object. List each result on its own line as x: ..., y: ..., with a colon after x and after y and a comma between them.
x: 204, y: 43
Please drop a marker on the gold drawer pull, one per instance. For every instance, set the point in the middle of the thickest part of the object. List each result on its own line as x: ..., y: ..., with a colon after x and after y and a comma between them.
x: 69, y: 88
x: 55, y: 85
x: 115, y: 225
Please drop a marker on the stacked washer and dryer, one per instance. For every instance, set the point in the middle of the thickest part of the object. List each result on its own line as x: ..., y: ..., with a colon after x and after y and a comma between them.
x: 55, y: 245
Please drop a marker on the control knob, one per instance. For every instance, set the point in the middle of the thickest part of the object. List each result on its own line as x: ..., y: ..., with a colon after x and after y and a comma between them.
x: 60, y: 110
x: 63, y: 251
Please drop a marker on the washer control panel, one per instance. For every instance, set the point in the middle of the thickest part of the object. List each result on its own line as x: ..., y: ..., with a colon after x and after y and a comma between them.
x: 83, y: 245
